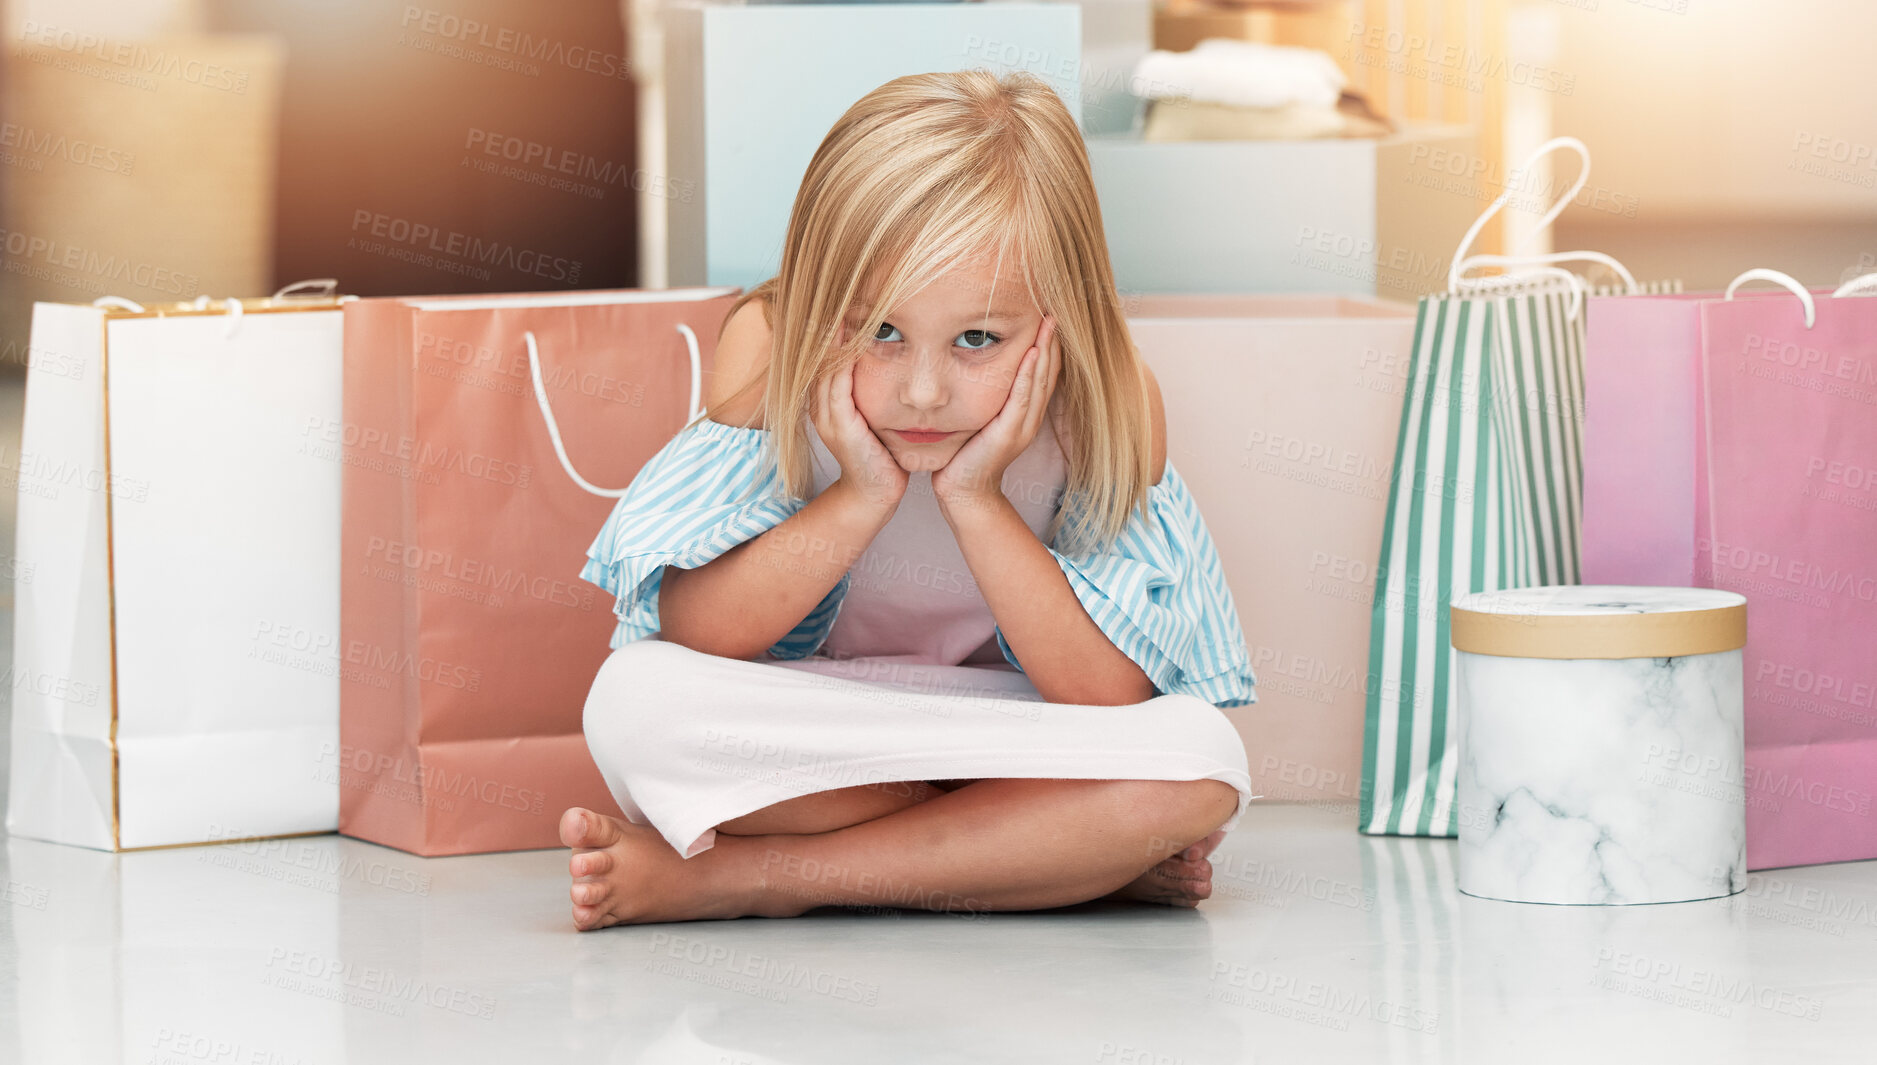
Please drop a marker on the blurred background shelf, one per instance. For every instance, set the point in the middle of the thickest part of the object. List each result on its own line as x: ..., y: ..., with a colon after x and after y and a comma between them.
x: 504, y: 145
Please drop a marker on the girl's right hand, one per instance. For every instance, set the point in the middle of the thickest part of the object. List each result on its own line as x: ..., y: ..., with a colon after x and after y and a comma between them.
x: 866, y: 465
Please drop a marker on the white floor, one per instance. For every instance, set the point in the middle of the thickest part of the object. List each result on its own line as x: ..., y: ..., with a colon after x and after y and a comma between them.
x: 1319, y: 945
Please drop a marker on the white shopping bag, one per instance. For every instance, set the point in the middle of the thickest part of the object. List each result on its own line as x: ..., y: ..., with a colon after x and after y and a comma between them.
x: 175, y: 661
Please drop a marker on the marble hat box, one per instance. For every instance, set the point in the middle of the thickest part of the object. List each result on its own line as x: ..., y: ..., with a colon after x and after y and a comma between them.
x: 1601, y: 744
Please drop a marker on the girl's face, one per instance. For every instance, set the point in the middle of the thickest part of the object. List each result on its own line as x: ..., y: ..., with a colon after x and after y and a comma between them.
x: 943, y: 360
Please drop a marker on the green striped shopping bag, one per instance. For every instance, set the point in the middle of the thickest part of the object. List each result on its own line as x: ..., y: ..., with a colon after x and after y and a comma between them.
x: 1485, y: 495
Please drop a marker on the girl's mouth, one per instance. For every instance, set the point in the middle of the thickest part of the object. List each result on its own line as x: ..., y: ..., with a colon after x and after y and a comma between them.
x: 922, y: 438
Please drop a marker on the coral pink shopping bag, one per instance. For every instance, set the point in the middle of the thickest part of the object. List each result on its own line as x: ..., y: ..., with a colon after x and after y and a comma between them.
x: 468, y: 645
x: 1730, y: 444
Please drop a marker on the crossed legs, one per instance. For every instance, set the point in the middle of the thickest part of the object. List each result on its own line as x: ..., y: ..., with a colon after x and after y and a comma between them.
x: 992, y: 844
x: 1000, y: 843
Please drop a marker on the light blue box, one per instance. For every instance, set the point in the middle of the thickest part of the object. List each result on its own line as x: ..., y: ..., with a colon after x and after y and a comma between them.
x: 751, y: 90
x: 1375, y: 217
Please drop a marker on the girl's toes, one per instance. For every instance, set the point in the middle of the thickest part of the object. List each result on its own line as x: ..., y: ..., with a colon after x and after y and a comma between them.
x: 591, y: 863
x: 581, y: 828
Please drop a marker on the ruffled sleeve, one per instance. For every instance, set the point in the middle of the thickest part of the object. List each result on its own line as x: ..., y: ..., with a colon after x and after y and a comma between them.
x: 1159, y: 595
x: 702, y: 494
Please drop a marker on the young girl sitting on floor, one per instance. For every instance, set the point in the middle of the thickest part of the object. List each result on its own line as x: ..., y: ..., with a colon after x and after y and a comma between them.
x: 920, y: 613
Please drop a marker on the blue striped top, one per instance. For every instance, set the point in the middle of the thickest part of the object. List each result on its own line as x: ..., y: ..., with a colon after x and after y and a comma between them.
x: 1159, y: 593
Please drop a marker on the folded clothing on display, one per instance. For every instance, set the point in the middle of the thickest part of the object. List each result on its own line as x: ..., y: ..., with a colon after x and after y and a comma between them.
x: 1226, y: 89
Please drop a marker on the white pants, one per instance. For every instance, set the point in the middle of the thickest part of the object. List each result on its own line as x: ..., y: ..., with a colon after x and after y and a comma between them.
x: 687, y: 740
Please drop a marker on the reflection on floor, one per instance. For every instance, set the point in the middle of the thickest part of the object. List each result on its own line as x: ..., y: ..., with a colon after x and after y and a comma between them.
x: 1319, y: 945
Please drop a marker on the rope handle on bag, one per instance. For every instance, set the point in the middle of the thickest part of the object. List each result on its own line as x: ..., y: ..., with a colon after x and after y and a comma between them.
x: 553, y: 427
x: 1853, y: 286
x: 1629, y: 279
x: 327, y: 288
x: 1462, y: 262
x: 1785, y: 280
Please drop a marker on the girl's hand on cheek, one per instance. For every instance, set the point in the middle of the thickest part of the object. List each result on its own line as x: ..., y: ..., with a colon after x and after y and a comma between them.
x: 866, y: 465
x: 976, y: 470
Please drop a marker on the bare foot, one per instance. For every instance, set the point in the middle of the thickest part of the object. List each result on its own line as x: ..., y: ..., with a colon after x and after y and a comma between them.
x: 1183, y: 879
x: 628, y: 874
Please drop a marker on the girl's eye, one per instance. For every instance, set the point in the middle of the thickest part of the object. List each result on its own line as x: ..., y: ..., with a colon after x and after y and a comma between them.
x: 984, y: 341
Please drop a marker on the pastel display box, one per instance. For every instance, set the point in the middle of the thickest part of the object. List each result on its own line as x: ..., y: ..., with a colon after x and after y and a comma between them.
x: 1602, y: 744
x: 1289, y: 406
x: 752, y: 89
x: 1355, y: 216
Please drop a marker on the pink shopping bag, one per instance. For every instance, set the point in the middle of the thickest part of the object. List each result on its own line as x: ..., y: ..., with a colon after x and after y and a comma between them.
x: 1728, y: 444
x: 1282, y: 416
x: 469, y: 642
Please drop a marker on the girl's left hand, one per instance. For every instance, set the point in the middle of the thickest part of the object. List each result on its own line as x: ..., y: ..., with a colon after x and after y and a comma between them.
x: 976, y: 470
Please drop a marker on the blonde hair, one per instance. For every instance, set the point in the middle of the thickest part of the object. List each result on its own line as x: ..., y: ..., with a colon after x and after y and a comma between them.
x: 918, y: 176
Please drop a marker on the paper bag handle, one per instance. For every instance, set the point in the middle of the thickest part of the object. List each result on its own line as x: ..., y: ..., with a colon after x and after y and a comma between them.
x: 553, y: 427
x: 200, y: 303
x: 233, y: 306
x: 1462, y: 262
x: 1787, y: 280
x: 1512, y: 183
x: 1855, y: 285
x: 1468, y: 263
x: 322, y: 287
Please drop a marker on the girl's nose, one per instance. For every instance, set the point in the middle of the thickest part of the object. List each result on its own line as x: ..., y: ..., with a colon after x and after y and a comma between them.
x: 925, y: 384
